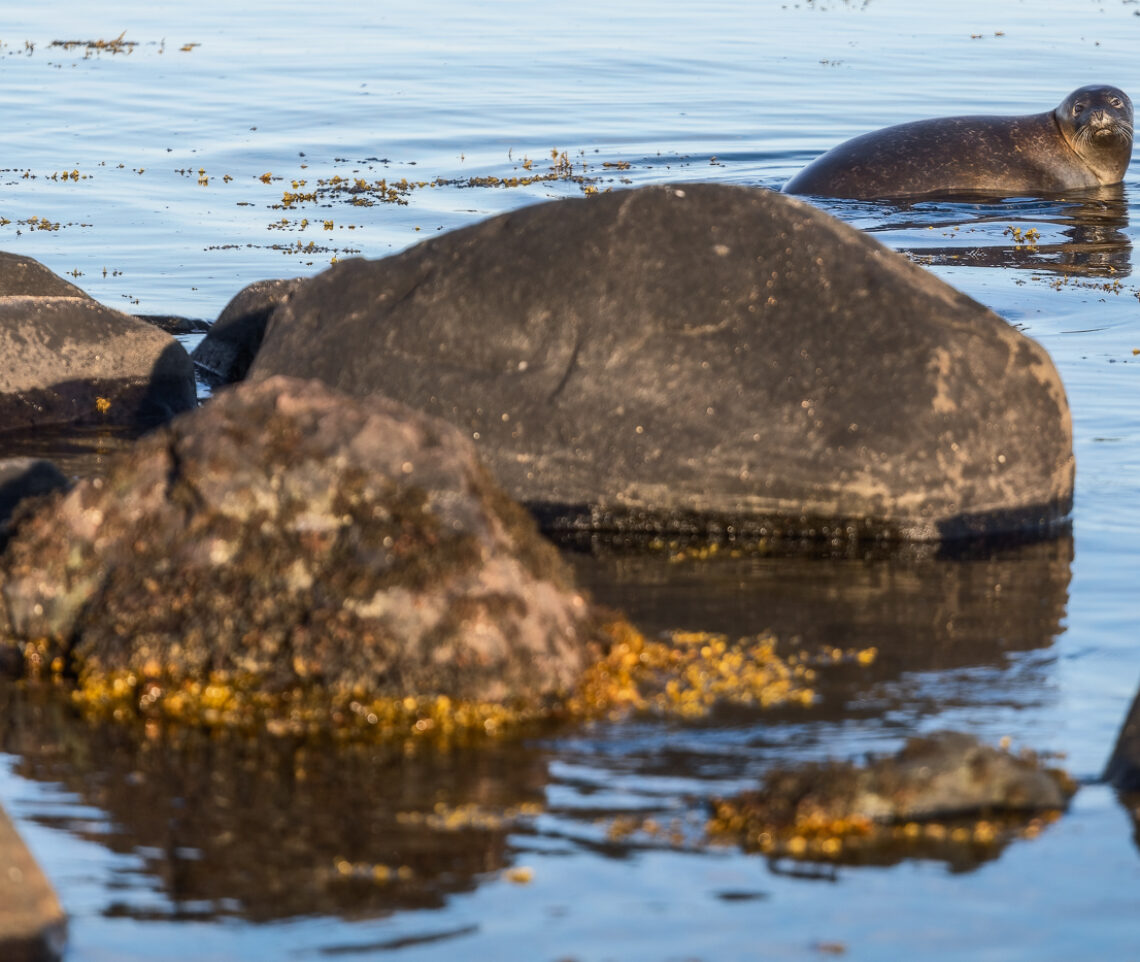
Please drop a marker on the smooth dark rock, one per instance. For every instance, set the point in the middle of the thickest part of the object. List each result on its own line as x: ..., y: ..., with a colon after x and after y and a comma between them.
x: 173, y: 324
x: 22, y: 478
x: 233, y: 340
x: 72, y: 360
x: 703, y: 358
x: 21, y: 275
x: 33, y: 927
x: 285, y: 536
x: 1123, y: 768
x: 944, y: 795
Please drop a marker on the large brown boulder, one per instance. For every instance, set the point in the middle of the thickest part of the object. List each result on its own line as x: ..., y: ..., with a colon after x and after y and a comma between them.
x: 700, y: 358
x: 287, y: 540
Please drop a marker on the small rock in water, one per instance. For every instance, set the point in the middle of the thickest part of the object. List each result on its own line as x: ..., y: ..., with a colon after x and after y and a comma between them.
x: 174, y: 324
x: 33, y: 927
x: 234, y: 338
x: 945, y: 795
x: 22, y: 478
x: 68, y: 359
x: 1123, y: 768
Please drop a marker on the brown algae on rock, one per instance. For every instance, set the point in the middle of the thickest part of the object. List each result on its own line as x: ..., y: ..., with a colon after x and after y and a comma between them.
x: 944, y: 796
x: 292, y: 555
x: 684, y: 676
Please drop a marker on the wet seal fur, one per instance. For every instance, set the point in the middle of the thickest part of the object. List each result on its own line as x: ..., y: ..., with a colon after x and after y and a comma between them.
x: 1085, y: 142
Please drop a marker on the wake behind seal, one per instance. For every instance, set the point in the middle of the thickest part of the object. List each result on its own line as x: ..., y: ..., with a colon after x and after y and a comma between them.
x: 1085, y: 142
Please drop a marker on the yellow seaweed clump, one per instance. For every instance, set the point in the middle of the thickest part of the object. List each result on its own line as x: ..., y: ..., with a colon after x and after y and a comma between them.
x: 457, y: 818
x: 230, y: 701
x: 688, y: 674
x: 857, y: 839
x: 684, y: 675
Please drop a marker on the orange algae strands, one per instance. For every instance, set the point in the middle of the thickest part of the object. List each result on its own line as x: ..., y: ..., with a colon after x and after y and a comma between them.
x: 684, y: 675
x: 687, y: 674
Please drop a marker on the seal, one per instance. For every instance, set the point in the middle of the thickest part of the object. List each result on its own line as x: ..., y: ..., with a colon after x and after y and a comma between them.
x: 1085, y: 142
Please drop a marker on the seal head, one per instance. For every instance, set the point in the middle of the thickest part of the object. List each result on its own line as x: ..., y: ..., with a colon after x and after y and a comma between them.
x: 1096, y: 121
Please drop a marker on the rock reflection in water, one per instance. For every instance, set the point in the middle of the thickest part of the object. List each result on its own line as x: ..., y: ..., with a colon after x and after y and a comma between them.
x: 80, y: 451
x: 923, y: 611
x: 268, y: 828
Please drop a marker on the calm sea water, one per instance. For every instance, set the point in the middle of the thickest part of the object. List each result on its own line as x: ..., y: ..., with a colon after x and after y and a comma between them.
x: 179, y: 152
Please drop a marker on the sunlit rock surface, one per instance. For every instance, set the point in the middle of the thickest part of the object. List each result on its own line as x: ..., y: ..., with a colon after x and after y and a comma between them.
x: 68, y: 359
x: 700, y: 358
x: 20, y: 275
x: 285, y: 539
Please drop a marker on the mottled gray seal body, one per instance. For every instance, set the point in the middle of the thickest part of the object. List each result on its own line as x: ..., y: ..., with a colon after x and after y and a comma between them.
x: 1085, y: 142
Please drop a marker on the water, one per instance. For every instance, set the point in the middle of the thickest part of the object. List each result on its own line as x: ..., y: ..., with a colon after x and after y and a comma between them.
x: 203, y: 850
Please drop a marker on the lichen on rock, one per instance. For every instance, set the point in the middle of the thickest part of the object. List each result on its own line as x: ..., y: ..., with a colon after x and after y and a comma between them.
x: 283, y: 540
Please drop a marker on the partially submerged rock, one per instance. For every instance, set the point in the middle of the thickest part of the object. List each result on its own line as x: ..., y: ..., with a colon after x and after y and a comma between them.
x: 290, y: 557
x: 703, y: 358
x: 33, y: 927
x: 68, y: 359
x: 940, y: 796
x: 1122, y: 770
x: 235, y: 337
x: 175, y: 324
x: 290, y: 554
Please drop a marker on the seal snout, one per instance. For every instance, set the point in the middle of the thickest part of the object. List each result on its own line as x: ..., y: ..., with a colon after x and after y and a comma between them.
x: 1105, y: 120
x: 1103, y: 123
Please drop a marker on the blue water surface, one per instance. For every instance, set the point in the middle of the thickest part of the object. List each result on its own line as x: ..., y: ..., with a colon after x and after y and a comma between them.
x: 179, y: 152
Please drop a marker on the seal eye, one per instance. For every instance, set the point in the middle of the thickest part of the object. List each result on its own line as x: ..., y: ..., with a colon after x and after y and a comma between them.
x: 1077, y: 108
x: 1116, y: 102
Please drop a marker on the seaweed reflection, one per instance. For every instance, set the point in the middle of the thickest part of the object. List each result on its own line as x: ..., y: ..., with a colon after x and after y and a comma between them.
x: 1082, y: 234
x: 922, y: 612
x: 273, y: 828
